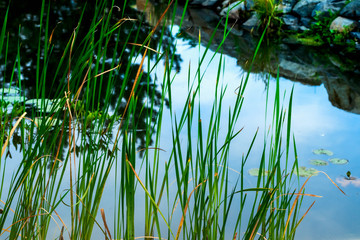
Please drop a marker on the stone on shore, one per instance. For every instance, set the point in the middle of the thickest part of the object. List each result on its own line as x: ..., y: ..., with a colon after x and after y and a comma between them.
x: 352, y: 10
x: 252, y: 23
x: 325, y: 9
x: 304, y: 8
x: 206, y: 3
x: 291, y: 22
x: 234, y: 10
x: 341, y: 24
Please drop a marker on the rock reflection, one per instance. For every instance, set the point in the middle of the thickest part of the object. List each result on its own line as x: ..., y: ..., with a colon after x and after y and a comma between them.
x: 337, y: 71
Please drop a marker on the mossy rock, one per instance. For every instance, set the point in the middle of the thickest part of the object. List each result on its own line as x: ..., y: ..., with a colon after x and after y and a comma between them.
x: 308, y: 41
x: 338, y: 161
x: 318, y: 162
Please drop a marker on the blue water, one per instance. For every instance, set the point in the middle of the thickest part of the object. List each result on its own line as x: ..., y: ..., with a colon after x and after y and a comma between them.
x: 316, y: 124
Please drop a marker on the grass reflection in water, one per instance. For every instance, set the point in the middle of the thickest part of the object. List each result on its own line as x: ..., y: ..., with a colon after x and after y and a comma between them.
x: 103, y: 80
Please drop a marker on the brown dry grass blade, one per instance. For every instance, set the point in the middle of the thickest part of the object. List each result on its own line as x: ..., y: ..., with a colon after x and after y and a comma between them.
x: 151, y: 148
x: 131, y: 95
x: 139, y: 71
x: 149, y: 237
x: 63, y: 223
x: 305, y: 213
x: 140, y: 45
x: 185, y: 209
x: 333, y: 182
x: 11, y: 133
x: 24, y: 220
x: 147, y: 193
x: 61, y: 233
x: 294, y: 204
x: 105, y: 224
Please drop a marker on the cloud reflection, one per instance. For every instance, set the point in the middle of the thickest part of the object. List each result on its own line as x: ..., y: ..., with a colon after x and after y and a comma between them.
x: 345, y: 182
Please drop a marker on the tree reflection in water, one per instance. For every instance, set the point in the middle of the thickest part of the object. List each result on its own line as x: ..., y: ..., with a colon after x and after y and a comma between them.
x: 62, y: 18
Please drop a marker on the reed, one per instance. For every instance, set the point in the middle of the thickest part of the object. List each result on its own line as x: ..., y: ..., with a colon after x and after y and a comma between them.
x: 103, y: 129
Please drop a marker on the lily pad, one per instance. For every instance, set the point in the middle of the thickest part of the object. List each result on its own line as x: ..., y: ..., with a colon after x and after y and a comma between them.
x: 323, y: 152
x: 318, y: 162
x: 45, y: 105
x: 12, y: 99
x: 306, y: 172
x: 255, y: 172
x: 338, y: 161
x: 9, y: 90
x: 38, y: 102
x: 48, y: 121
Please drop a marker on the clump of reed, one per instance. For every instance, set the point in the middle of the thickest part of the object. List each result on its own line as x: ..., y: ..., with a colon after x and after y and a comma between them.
x: 91, y: 137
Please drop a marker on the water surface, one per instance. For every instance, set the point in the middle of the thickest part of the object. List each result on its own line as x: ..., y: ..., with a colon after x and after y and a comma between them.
x: 325, y: 114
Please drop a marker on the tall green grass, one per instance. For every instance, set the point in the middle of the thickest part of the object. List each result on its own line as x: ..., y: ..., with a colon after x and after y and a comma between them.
x: 92, y: 140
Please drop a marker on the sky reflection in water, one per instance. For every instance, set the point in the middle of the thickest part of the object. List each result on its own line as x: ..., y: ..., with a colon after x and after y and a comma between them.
x: 315, y: 123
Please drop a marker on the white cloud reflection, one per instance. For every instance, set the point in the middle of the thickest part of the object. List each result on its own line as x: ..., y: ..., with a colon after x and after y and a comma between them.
x: 344, y: 182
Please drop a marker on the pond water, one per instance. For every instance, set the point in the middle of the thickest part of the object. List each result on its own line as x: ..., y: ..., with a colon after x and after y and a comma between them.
x: 325, y: 116
x: 317, y: 124
x: 326, y: 108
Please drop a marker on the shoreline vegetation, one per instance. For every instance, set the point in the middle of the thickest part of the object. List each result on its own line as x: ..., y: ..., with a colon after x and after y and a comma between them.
x: 90, y: 118
x: 327, y: 23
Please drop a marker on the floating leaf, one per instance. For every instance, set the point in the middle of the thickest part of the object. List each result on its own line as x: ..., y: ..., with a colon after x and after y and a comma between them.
x: 318, y: 162
x: 9, y: 90
x: 48, y: 121
x: 307, y: 172
x: 45, y: 105
x: 323, y: 151
x: 255, y: 172
x: 12, y: 99
x: 38, y: 102
x: 338, y: 161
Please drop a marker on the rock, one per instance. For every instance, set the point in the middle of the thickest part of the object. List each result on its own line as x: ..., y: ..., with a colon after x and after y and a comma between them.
x: 205, y: 3
x: 252, y: 23
x: 202, y: 16
x: 304, y: 8
x: 338, y: 3
x: 290, y: 22
x: 225, y: 3
x: 297, y: 71
x: 303, y: 28
x: 324, y: 9
x: 340, y: 63
x: 341, y: 24
x: 284, y: 8
x: 234, y: 10
x: 249, y: 4
x: 343, y: 96
x: 357, y: 46
x: 306, y: 21
x: 355, y: 35
x: 351, y: 10
x: 291, y: 3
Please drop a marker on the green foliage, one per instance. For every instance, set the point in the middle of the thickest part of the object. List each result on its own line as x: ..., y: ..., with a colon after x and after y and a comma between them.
x: 321, y: 34
x: 267, y: 13
x: 109, y: 108
x: 265, y: 8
